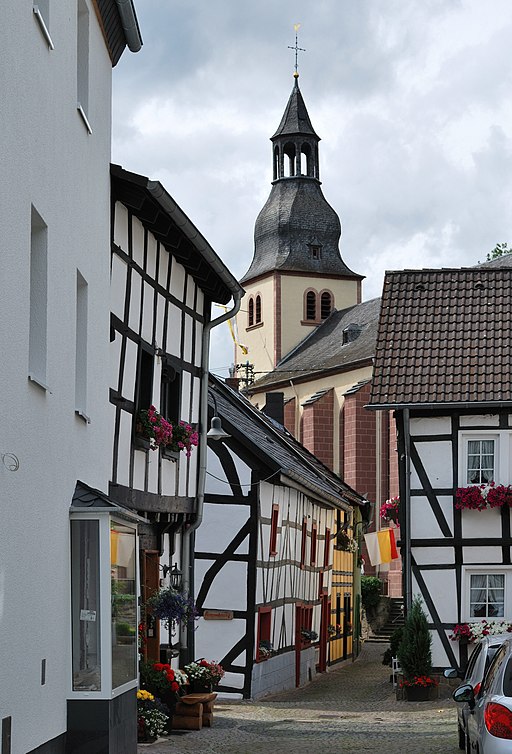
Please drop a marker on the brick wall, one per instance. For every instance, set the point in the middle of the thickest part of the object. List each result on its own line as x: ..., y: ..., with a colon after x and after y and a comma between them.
x: 289, y: 415
x: 317, y: 430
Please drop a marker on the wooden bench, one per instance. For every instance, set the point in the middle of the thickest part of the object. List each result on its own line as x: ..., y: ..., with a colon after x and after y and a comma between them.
x: 193, y: 711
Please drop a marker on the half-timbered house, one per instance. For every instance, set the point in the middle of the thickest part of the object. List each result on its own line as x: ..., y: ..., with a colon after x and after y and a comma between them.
x: 164, y: 278
x: 264, y: 554
x: 443, y: 365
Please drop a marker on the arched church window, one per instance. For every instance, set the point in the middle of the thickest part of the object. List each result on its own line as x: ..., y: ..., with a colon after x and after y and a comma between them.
x: 325, y: 304
x: 311, y: 305
x: 276, y: 163
x: 289, y: 164
x: 305, y: 160
x: 251, y: 312
x: 258, y: 309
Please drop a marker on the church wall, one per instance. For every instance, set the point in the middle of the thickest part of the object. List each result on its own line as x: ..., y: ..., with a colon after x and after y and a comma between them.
x: 293, y: 288
x: 259, y: 339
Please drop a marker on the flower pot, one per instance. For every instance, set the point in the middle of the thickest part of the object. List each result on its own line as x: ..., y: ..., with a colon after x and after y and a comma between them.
x: 417, y: 693
x: 200, y: 687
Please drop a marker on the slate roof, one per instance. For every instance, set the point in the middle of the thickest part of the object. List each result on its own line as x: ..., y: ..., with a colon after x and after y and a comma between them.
x: 295, y: 118
x: 444, y: 338
x: 295, y: 216
x: 275, y: 446
x: 87, y: 497
x: 323, y: 350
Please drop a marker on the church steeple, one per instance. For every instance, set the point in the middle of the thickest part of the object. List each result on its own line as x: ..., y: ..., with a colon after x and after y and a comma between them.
x: 297, y: 230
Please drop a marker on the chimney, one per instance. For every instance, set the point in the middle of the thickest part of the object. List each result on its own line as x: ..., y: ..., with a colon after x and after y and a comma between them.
x: 233, y: 383
x: 274, y: 406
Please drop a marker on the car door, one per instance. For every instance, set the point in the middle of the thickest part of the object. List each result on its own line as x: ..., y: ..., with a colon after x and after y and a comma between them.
x: 475, y: 720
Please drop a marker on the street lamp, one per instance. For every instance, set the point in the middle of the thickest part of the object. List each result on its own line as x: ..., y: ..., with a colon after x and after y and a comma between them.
x: 216, y: 432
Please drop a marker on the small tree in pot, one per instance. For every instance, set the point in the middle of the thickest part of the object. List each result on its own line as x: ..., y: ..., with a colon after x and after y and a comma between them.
x: 415, y: 654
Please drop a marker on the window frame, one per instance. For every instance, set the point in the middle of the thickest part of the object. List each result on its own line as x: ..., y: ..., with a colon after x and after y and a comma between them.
x: 303, y: 543
x: 313, y: 543
x: 488, y: 569
x: 274, y: 520
x: 501, y: 464
x: 264, y: 630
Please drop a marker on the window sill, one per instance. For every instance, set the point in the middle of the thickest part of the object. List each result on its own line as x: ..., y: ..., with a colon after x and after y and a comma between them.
x: 254, y: 327
x: 39, y: 383
x: 140, y: 443
x: 43, y: 27
x: 171, y: 455
x: 84, y: 117
x: 82, y: 415
x: 312, y: 322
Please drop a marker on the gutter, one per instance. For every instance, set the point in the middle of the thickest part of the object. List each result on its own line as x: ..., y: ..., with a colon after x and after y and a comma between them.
x: 130, y: 24
x: 439, y: 406
x: 187, y: 551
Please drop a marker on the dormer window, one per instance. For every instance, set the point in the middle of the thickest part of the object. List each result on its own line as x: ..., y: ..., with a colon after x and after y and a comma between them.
x: 351, y: 333
x: 316, y: 251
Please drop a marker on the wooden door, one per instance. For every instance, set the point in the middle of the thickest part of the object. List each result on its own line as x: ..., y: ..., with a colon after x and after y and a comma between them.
x: 150, y: 585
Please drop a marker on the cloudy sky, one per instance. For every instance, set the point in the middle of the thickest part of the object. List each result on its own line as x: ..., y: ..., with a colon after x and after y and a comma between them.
x: 412, y: 100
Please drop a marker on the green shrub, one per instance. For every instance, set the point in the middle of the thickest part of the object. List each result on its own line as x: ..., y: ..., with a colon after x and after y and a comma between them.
x: 371, y: 590
x: 415, y: 650
x: 394, y: 644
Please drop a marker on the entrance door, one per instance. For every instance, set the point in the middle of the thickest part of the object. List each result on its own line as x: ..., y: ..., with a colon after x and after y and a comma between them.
x: 324, y: 633
x: 150, y: 585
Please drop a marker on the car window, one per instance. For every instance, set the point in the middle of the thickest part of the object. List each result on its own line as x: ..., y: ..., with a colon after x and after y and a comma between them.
x: 493, y: 668
x: 490, y: 654
x: 507, y: 678
x: 472, y: 661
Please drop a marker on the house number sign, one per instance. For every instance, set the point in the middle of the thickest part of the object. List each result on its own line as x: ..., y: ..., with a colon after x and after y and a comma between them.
x: 218, y: 615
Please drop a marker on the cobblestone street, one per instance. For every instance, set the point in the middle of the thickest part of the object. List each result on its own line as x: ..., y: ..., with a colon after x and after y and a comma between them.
x: 350, y: 709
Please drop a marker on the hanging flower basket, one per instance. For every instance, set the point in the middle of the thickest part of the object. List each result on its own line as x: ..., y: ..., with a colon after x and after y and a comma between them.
x: 345, y: 542
x: 173, y: 607
x: 480, y: 497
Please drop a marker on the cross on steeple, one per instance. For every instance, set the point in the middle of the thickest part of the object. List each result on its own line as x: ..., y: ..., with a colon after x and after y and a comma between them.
x: 296, y: 48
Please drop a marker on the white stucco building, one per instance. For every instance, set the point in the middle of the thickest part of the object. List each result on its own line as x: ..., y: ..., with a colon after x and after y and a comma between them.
x: 56, y: 62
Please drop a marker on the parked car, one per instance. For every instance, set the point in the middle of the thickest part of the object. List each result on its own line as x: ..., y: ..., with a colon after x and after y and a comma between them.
x: 489, y: 722
x: 478, y: 664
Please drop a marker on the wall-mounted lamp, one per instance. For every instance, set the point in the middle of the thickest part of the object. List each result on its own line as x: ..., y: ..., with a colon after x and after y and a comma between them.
x: 216, y: 432
x: 176, y: 575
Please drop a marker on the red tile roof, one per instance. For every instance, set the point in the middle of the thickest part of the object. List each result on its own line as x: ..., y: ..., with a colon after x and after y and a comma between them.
x: 444, y: 337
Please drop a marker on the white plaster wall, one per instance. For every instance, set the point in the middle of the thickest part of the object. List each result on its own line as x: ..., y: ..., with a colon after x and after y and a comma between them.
x: 220, y: 524
x: 436, y: 458
x: 489, y: 420
x: 51, y: 162
x: 423, y: 521
x: 229, y: 588
x: 434, y: 425
x: 486, y: 523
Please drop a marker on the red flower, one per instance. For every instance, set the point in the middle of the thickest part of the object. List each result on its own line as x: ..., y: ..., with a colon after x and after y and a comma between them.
x: 175, y: 686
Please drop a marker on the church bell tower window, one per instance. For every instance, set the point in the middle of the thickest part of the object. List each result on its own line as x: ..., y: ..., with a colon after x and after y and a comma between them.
x: 251, y: 312
x: 258, y: 309
x: 311, y: 305
x: 325, y: 304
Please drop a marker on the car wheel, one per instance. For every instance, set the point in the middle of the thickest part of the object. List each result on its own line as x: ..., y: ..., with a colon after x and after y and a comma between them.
x: 462, y: 738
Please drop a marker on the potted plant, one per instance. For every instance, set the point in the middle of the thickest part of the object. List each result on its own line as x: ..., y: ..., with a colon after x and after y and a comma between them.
x: 345, y: 542
x: 389, y: 510
x: 173, y: 606
x: 334, y: 630
x: 415, y: 655
x: 480, y: 497
x: 466, y: 633
x: 265, y: 650
x: 308, y: 635
x: 203, y: 675
x: 152, y: 717
x: 163, y: 682
x: 153, y: 427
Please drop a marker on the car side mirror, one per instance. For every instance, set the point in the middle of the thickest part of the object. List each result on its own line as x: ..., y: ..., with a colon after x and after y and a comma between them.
x: 451, y: 673
x: 465, y: 694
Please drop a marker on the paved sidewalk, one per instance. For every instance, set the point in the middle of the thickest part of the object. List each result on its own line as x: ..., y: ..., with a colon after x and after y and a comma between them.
x: 350, y: 709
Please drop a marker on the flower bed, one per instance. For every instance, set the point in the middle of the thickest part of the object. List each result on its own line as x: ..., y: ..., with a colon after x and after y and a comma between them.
x: 480, y: 497
x: 471, y: 632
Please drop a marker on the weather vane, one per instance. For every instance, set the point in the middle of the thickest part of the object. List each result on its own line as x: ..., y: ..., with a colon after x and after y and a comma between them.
x: 296, y: 48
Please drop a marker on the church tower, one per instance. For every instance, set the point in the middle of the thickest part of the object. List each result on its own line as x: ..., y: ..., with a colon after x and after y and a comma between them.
x: 297, y: 276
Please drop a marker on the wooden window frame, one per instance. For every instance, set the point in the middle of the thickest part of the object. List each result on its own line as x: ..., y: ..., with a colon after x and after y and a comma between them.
x: 313, y: 543
x: 304, y: 539
x: 274, y: 520
x: 327, y: 547
x: 264, y: 630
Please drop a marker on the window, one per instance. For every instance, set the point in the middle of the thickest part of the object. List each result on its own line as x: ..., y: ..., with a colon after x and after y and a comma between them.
x: 42, y: 13
x: 251, y: 312
x: 325, y: 304
x: 82, y: 62
x: 303, y: 542
x: 264, y: 631
x: 480, y: 461
x: 327, y: 547
x: 258, y: 309
x: 311, y: 305
x: 144, y: 390
x: 170, y: 394
x: 81, y: 346
x: 38, y: 299
x: 123, y: 603
x: 85, y: 603
x: 273, y: 530
x: 487, y: 595
x: 313, y: 543
x: 316, y: 252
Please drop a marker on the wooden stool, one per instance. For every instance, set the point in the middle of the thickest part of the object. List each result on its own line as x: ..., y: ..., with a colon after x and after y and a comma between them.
x: 193, y: 711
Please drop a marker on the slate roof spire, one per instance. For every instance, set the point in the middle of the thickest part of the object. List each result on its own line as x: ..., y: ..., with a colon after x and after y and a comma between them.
x: 297, y: 230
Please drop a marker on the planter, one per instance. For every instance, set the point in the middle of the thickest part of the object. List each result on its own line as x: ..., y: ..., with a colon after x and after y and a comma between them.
x: 417, y: 693
x: 200, y: 687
